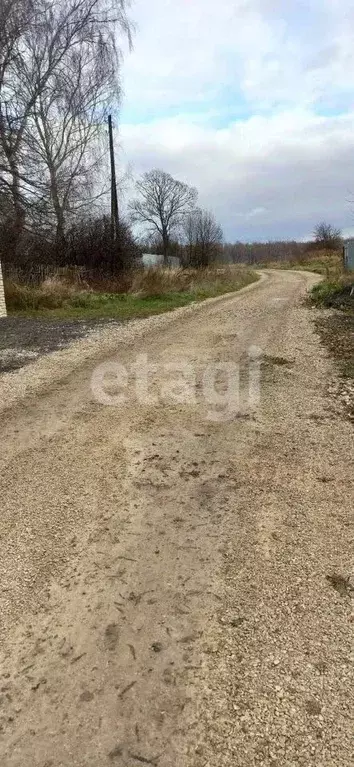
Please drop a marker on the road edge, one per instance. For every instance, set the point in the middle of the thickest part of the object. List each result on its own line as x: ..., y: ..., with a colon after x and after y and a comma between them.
x: 30, y: 380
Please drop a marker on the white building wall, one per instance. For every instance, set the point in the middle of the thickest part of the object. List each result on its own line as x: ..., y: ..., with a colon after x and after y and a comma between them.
x: 150, y: 259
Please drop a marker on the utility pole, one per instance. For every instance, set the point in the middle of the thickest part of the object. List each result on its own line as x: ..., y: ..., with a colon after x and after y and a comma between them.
x: 114, y: 198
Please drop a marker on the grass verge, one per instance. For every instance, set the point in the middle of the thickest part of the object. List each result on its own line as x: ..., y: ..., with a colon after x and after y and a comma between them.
x: 148, y: 292
x: 336, y: 294
x: 336, y: 330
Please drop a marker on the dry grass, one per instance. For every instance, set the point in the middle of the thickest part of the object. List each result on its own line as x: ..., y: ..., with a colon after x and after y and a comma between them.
x: 53, y: 293
x: 157, y: 281
x: 326, y: 262
x: 136, y: 293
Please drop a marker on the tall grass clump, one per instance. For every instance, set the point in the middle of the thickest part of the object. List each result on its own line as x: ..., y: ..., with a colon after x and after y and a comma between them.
x: 140, y: 291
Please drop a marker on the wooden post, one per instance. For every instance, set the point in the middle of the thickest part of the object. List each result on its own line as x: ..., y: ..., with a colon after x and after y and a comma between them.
x: 114, y: 198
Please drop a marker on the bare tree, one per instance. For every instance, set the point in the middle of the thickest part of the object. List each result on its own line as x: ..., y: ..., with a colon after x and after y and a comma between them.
x: 261, y: 252
x: 62, y: 139
x: 327, y: 236
x: 56, y: 79
x: 203, y: 237
x: 15, y: 19
x: 162, y: 204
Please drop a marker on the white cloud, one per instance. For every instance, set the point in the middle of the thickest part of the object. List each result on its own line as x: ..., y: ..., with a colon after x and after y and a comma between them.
x: 281, y: 51
x: 252, y: 213
x: 250, y: 101
x: 265, y: 176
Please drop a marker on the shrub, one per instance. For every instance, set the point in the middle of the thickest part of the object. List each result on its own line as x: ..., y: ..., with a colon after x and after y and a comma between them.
x: 338, y: 294
x: 53, y: 293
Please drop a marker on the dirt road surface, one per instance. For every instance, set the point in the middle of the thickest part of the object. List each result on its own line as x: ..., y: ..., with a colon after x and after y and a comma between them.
x: 177, y: 585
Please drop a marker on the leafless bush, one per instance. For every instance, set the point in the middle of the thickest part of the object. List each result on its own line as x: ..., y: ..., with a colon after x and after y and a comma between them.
x: 203, y: 237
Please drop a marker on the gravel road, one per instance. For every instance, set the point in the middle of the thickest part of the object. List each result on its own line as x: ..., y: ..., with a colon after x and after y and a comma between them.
x: 177, y: 584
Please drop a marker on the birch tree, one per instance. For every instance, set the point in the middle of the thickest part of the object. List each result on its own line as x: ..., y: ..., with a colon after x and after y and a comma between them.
x: 58, y: 74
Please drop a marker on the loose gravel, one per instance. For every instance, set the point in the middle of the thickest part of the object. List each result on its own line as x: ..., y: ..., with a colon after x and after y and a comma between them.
x: 56, y: 349
x: 178, y: 591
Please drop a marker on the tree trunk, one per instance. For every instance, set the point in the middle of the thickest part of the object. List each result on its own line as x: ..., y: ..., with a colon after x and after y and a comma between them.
x: 165, y: 245
x: 19, y: 211
x: 60, y: 239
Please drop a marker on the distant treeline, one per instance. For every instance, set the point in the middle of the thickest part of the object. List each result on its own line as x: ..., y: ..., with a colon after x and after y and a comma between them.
x: 259, y: 252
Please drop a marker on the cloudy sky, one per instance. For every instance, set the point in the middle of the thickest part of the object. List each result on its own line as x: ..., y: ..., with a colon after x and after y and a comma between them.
x: 252, y: 102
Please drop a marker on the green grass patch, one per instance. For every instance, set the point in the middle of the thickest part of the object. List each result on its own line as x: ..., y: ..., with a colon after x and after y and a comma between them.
x: 101, y: 306
x: 338, y: 294
x: 38, y: 302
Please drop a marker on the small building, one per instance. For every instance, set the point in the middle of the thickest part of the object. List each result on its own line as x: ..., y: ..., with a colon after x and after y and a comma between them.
x: 348, y: 254
x: 2, y: 296
x: 152, y: 259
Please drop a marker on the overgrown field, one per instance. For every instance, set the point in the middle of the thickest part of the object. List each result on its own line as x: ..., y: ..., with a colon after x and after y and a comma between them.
x: 137, y: 294
x: 329, y: 263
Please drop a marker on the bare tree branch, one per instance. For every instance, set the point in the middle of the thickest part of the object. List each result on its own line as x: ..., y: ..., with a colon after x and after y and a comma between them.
x: 327, y: 236
x: 163, y: 202
x: 203, y: 237
x: 58, y: 74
